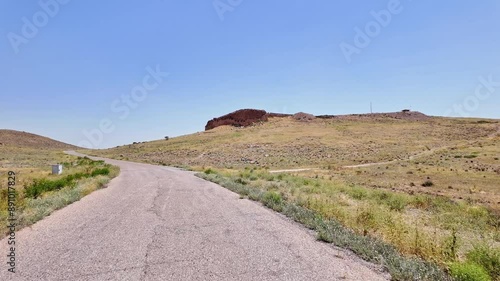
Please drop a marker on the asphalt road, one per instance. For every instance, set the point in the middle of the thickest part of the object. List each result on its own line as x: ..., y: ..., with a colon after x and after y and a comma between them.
x: 161, y: 223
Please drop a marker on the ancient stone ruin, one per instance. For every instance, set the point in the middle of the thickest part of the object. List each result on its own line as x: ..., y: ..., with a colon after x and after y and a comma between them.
x: 239, y: 118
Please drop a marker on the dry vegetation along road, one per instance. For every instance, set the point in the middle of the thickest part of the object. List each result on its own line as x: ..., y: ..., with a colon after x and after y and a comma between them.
x: 161, y: 223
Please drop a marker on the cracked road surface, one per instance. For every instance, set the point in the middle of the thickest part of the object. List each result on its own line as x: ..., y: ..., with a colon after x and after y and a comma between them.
x: 161, y: 223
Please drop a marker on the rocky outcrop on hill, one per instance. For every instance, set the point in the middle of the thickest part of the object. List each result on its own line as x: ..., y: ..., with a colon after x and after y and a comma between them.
x: 242, y: 118
x: 247, y: 117
x: 239, y: 118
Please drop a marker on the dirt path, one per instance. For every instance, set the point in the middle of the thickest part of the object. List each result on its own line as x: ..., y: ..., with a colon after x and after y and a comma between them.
x: 291, y: 170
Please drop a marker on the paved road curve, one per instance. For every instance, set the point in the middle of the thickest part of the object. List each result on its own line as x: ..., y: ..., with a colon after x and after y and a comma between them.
x: 160, y: 223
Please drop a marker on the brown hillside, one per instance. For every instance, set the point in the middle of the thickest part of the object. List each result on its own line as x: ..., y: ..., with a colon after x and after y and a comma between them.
x: 11, y: 138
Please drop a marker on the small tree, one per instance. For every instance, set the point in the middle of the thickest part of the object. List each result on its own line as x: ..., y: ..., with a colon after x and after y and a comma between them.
x: 166, y: 138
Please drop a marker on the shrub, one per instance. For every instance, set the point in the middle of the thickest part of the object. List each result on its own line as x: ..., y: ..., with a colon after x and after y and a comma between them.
x: 98, y: 172
x: 40, y: 186
x: 422, y: 202
x: 427, y: 183
x: 245, y: 175
x: 209, y: 171
x: 366, y: 218
x: 488, y: 258
x: 76, y: 176
x: 84, y: 161
x: 306, y: 182
x: 254, y: 194
x: 268, y: 177
x: 357, y: 193
x: 241, y: 181
x: 470, y: 156
x: 451, y: 245
x: 273, y: 200
x: 397, y: 203
x: 468, y: 272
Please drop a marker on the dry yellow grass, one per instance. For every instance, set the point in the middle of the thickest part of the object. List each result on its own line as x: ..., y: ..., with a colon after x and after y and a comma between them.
x: 29, y: 163
x: 29, y: 155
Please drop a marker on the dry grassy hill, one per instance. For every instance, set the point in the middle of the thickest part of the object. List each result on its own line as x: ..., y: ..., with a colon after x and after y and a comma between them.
x: 30, y: 154
x: 27, y: 140
x: 288, y: 143
x: 427, y: 185
x: 461, y: 156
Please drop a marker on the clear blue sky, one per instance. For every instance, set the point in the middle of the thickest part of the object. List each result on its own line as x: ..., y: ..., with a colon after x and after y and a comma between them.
x: 281, y: 56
